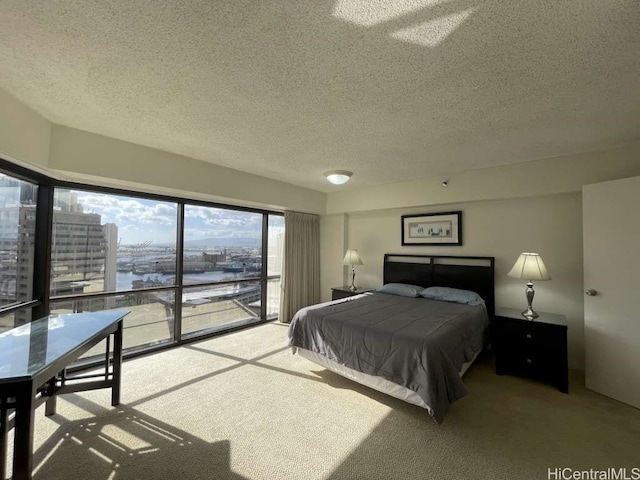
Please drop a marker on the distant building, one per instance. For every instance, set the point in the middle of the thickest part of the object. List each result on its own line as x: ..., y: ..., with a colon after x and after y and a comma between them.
x: 78, y: 247
x: 214, y: 258
x: 83, y: 255
x: 16, y: 244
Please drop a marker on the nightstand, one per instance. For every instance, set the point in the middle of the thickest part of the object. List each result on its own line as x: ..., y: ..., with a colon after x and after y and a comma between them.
x: 532, y: 348
x: 343, y: 292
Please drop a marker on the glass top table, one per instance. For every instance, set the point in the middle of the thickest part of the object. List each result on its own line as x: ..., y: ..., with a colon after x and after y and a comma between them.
x: 33, y: 362
x: 27, y: 350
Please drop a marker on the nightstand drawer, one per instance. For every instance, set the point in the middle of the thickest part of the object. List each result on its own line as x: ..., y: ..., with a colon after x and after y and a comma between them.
x: 530, y: 362
x: 522, y: 334
x: 519, y: 333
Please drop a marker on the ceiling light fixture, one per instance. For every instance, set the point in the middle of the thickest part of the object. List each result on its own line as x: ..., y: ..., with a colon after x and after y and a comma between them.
x: 338, y: 177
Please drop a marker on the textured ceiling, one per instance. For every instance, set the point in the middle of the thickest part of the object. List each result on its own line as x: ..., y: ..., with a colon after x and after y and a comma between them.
x: 392, y: 90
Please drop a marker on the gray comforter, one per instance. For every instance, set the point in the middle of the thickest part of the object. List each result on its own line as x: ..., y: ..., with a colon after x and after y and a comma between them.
x: 414, y: 342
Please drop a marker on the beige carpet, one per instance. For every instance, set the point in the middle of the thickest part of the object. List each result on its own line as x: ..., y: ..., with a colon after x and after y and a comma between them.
x: 242, y: 407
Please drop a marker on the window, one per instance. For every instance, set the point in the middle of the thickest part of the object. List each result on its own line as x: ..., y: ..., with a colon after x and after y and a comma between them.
x: 18, y: 204
x: 151, y: 320
x: 109, y: 243
x: 223, y: 250
x: 112, y: 243
x: 216, y: 306
x: 221, y: 245
x: 275, y: 255
x: 114, y: 249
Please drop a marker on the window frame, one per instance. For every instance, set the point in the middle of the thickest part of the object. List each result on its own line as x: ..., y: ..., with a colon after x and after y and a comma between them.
x: 39, y: 300
x: 42, y: 298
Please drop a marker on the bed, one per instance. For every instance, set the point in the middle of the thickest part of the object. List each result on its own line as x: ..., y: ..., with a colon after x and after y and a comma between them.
x: 412, y: 348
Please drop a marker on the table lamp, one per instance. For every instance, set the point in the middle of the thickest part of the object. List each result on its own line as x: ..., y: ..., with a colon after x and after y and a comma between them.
x: 529, y: 266
x: 352, y: 258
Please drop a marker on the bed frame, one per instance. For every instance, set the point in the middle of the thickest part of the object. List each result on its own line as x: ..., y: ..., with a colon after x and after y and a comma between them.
x: 468, y: 273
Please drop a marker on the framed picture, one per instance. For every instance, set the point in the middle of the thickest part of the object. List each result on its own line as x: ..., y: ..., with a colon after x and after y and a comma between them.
x: 432, y: 229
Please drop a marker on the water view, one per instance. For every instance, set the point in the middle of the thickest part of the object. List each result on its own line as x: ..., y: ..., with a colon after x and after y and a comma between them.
x: 125, y: 280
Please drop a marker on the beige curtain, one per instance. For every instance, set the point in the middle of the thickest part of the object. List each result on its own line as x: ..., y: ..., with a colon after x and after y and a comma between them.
x: 301, y: 269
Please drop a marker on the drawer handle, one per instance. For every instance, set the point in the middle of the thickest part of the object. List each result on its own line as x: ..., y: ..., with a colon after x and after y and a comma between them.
x: 529, y: 361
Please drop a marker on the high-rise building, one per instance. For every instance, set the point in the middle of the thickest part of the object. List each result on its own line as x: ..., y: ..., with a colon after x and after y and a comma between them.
x: 17, y: 230
x: 83, y: 252
x: 78, y: 253
x: 78, y: 249
x: 17, y: 242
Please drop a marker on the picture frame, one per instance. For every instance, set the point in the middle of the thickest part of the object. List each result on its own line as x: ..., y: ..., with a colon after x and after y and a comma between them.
x: 432, y: 229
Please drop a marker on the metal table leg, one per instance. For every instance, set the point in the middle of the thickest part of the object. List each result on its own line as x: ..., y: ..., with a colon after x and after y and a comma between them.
x: 23, y: 432
x: 117, y: 364
x: 3, y: 436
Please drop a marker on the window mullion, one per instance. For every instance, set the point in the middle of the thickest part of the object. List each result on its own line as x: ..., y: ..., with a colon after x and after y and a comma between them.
x: 177, y: 328
x: 42, y: 252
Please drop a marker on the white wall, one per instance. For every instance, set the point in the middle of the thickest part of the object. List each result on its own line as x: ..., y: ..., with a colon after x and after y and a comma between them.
x: 539, y: 177
x: 86, y: 156
x: 550, y: 225
x: 333, y: 244
x: 24, y: 134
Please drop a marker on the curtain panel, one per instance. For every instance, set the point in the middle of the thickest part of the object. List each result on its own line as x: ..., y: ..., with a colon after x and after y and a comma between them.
x: 301, y: 269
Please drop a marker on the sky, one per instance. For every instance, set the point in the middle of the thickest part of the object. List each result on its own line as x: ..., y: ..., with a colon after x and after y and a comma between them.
x: 140, y: 220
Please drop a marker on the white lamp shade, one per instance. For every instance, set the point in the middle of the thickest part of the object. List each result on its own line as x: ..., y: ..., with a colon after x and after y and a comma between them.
x: 352, y: 258
x: 529, y: 266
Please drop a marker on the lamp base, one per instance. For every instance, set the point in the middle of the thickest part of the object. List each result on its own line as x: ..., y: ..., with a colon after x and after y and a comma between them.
x: 529, y: 314
x: 353, y: 287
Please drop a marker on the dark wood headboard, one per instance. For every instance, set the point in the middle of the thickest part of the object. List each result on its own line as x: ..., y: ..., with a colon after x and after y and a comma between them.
x: 469, y: 273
